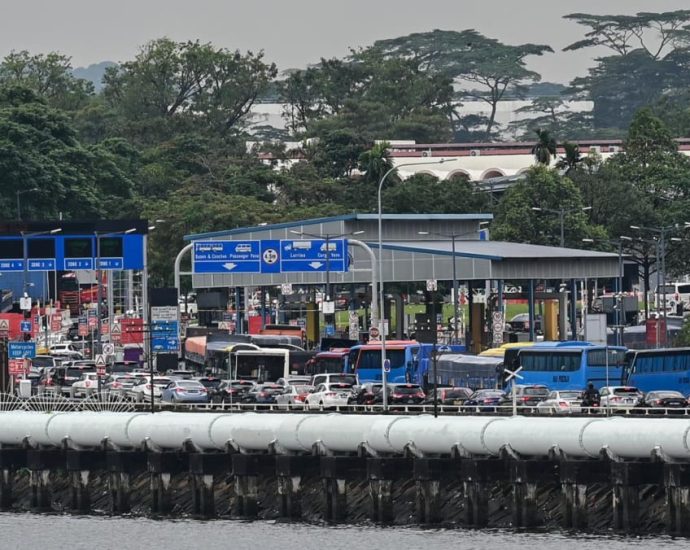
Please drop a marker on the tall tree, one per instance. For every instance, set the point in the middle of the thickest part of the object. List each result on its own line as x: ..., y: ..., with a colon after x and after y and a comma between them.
x: 48, y: 75
x: 648, y: 53
x: 545, y: 147
x: 187, y: 82
x: 483, y: 67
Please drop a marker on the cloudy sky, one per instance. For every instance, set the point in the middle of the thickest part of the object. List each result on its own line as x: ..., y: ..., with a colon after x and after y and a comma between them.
x: 294, y: 33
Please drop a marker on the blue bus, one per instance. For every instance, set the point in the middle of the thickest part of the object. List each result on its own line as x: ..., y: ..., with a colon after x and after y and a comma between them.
x: 569, y: 367
x: 658, y: 369
x: 468, y: 371
x: 410, y: 361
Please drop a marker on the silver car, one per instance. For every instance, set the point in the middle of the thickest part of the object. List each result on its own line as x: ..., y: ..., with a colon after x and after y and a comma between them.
x: 620, y: 397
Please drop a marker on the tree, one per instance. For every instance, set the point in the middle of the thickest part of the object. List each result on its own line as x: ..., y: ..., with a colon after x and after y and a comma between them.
x: 470, y: 59
x: 544, y: 148
x: 649, y: 60
x: 375, y: 162
x: 49, y: 76
x: 422, y: 193
x: 571, y: 159
x: 39, y: 151
x: 170, y: 84
x: 337, y: 153
x: 546, y: 189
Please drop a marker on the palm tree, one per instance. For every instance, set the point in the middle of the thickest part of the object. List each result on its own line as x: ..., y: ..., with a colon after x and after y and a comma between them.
x: 571, y: 158
x: 545, y: 148
x: 376, y: 161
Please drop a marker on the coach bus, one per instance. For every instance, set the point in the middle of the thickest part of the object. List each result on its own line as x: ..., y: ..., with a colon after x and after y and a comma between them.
x: 570, y: 367
x: 658, y: 369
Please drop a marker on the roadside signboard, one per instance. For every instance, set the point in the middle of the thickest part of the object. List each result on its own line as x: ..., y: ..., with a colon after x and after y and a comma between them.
x: 16, y: 367
x: 4, y: 328
x: 116, y: 333
x: 20, y: 350
x: 108, y: 349
x: 105, y: 326
x: 374, y: 333
x: 100, y: 364
x: 25, y: 326
x: 56, y: 322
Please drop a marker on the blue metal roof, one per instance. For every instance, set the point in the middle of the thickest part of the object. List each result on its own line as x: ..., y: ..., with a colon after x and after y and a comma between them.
x: 345, y: 217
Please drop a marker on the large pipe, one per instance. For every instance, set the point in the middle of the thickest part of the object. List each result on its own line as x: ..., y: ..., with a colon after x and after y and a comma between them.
x: 487, y: 436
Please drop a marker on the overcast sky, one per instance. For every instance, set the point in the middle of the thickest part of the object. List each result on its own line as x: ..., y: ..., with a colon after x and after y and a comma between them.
x: 294, y: 33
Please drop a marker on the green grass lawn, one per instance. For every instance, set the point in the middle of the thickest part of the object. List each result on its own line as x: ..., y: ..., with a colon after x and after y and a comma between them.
x: 341, y: 317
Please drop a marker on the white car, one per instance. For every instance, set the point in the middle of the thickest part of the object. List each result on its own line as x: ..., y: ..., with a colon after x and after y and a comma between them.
x: 620, y: 397
x: 561, y: 402
x: 294, y: 396
x: 294, y: 381
x: 141, y: 390
x: 85, y: 386
x: 334, y: 394
x: 65, y: 350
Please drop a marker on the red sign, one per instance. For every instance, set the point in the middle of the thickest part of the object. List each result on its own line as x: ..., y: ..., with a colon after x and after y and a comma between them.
x: 92, y: 322
x: 105, y: 326
x: 16, y: 367
x: 83, y: 330
x: 132, y: 331
x: 56, y: 323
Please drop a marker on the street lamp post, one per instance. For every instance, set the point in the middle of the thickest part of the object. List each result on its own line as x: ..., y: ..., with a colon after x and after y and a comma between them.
x: 456, y: 300
x: 561, y: 212
x: 25, y: 254
x: 661, y: 256
x: 620, y: 318
x: 328, y: 237
x: 19, y: 193
x: 381, y: 285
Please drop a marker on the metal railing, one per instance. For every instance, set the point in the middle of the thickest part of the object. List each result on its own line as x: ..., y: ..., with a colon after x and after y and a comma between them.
x: 118, y: 402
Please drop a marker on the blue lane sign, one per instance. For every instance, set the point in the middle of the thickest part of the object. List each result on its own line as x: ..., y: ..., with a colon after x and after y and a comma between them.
x: 110, y: 263
x: 11, y: 265
x: 270, y: 256
x: 78, y: 263
x: 20, y: 350
x: 25, y: 326
x: 45, y: 264
x: 314, y: 255
x: 227, y: 257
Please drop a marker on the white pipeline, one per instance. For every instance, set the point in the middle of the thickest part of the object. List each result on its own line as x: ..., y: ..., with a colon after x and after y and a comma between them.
x: 481, y: 436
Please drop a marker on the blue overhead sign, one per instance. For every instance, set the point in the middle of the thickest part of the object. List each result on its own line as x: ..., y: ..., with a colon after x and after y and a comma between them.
x: 71, y: 252
x: 20, y: 350
x: 270, y: 256
x: 315, y: 255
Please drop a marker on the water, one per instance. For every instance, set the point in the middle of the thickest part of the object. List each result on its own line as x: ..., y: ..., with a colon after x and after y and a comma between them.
x: 56, y: 532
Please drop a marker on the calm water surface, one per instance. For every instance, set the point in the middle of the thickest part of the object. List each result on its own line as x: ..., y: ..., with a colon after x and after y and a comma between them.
x: 33, y: 532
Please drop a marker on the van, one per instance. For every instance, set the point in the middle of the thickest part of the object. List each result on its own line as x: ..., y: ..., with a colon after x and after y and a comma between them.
x: 676, y: 294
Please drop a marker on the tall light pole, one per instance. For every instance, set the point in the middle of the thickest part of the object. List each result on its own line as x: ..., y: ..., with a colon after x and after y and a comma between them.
x: 328, y: 237
x: 620, y: 318
x: 19, y: 193
x: 453, y: 237
x: 99, y: 280
x: 25, y: 253
x: 661, y: 255
x: 561, y: 212
x: 381, y: 285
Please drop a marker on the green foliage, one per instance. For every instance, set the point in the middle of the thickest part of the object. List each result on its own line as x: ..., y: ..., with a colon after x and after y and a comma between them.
x: 171, y: 86
x: 649, y: 61
x: 422, y: 193
x: 545, y: 189
x: 545, y: 147
x: 48, y: 76
x: 39, y: 150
